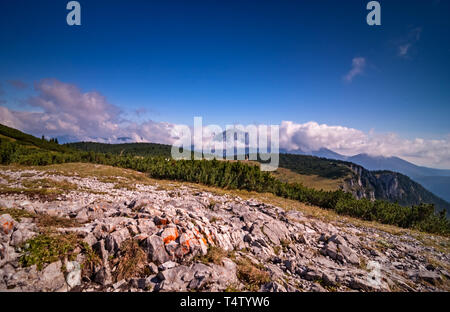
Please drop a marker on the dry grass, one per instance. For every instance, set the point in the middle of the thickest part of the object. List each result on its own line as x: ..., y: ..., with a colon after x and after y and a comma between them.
x: 35, y: 193
x: 46, y: 221
x: 4, y: 137
x: 311, y: 181
x: 42, y: 220
x: 125, y: 185
x: 7, y: 178
x: 214, y: 255
x: 132, y: 260
x: 27, y: 175
x: 47, y: 183
x: 17, y: 214
x: 251, y: 275
x: 43, y: 189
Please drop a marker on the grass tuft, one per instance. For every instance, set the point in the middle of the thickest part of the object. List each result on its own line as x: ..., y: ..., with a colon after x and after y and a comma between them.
x: 46, y: 221
x: 132, y: 260
x: 251, y: 275
x: 214, y: 255
x: 17, y: 214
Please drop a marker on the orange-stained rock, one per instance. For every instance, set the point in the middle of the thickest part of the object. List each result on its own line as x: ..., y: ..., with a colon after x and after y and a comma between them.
x: 169, y: 234
x: 184, y: 247
x: 6, y: 224
x: 161, y: 221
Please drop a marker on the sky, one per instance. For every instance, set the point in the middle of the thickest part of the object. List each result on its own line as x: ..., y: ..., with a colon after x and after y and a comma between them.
x: 136, y: 69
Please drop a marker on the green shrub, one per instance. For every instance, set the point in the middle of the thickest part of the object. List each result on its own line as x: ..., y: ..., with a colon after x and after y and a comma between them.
x: 47, y: 248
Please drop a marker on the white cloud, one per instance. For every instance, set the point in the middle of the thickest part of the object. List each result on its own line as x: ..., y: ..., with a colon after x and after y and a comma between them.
x: 64, y: 110
x: 312, y: 136
x: 358, y: 65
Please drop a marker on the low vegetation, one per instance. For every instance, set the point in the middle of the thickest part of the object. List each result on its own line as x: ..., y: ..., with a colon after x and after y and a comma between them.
x: 134, y: 149
x: 132, y: 260
x: 47, y: 248
x: 91, y: 258
x: 43, y: 221
x: 17, y: 214
x: 310, y: 165
x: 46, y: 221
x: 251, y: 275
x: 41, y: 193
x: 308, y: 180
x: 48, y: 184
x: 214, y: 255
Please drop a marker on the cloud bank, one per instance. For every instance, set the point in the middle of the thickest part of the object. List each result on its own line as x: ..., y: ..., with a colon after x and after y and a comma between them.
x: 312, y: 136
x: 63, y: 110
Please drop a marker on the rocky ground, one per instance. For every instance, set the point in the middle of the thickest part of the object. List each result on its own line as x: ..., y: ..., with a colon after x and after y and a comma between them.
x: 72, y: 232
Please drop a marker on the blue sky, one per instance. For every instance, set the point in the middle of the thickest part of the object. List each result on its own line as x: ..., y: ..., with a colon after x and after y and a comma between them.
x: 239, y: 61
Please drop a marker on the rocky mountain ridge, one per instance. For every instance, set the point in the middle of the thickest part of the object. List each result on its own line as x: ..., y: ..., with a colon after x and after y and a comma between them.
x: 390, y: 186
x: 362, y: 183
x: 436, y: 181
x: 175, y: 237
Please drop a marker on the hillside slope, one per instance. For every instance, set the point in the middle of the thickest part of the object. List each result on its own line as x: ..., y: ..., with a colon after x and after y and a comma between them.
x: 27, y: 140
x: 138, y: 149
x: 363, y: 183
x: 434, y: 180
x: 100, y: 228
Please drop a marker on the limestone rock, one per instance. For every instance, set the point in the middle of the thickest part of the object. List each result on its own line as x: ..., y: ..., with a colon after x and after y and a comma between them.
x: 73, y: 276
x: 156, y: 250
x: 114, y: 240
